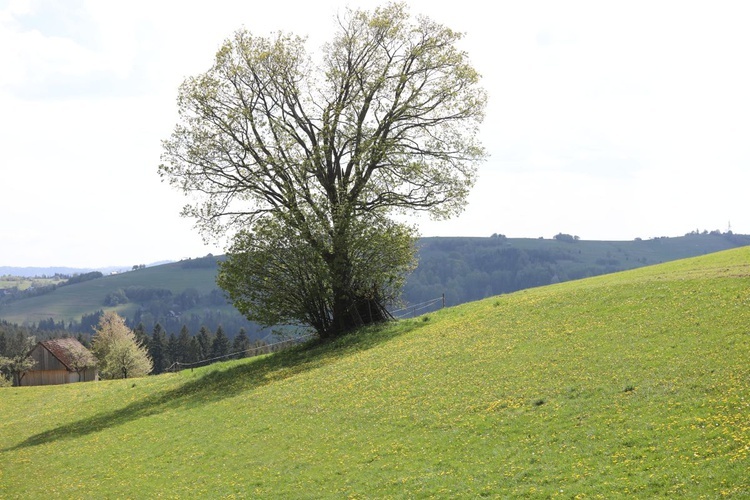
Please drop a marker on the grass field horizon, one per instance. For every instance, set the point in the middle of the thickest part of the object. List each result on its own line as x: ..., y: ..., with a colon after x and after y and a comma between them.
x: 630, y: 384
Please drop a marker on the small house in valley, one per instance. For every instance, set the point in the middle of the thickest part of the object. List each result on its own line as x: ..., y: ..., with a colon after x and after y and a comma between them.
x: 61, y: 361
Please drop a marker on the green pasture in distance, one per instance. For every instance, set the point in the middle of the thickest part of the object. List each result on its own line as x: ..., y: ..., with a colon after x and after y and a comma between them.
x: 69, y: 303
x: 21, y: 283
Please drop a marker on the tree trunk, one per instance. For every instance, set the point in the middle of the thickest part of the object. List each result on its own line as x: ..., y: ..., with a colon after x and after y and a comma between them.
x: 345, y: 316
x: 351, y: 307
x: 352, y: 310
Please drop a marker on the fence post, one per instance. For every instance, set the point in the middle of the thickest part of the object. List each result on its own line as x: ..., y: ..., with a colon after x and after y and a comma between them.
x: 443, y: 300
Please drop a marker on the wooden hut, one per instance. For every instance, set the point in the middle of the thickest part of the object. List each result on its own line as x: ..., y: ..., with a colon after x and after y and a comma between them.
x: 61, y: 361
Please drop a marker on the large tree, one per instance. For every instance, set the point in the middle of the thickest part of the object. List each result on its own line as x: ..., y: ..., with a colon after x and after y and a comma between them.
x: 307, y: 162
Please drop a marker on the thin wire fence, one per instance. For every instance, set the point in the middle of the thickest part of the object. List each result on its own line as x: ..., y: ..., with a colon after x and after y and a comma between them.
x: 409, y: 311
x: 256, y: 351
x: 412, y: 309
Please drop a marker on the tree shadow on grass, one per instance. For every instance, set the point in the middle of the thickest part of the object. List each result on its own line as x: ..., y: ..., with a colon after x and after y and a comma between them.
x: 226, y: 383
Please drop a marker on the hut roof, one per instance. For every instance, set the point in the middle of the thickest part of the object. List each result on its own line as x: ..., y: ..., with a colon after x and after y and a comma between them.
x: 70, y: 352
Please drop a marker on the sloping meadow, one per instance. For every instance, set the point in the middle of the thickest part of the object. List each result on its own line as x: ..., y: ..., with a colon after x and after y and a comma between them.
x: 636, y: 383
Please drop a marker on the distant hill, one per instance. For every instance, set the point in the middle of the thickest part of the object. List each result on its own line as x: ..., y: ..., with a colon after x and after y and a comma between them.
x: 464, y: 269
x: 630, y: 385
x: 31, y: 272
x: 172, y: 294
x: 468, y: 269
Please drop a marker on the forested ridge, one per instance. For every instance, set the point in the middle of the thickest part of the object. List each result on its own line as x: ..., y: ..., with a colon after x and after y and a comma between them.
x: 468, y: 269
x: 184, y: 294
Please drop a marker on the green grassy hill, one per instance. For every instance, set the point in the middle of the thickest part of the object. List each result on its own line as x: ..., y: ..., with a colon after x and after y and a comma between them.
x: 69, y: 303
x: 630, y: 384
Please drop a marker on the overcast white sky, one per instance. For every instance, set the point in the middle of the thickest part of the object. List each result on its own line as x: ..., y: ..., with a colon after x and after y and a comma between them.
x: 608, y: 120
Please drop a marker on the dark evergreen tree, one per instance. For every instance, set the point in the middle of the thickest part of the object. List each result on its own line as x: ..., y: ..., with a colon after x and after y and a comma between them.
x: 183, y: 354
x: 205, y: 342
x: 46, y: 324
x: 90, y: 321
x: 83, y: 340
x: 172, y: 349
x: 157, y: 348
x: 194, y: 354
x: 241, y: 344
x: 140, y: 334
x: 220, y: 345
